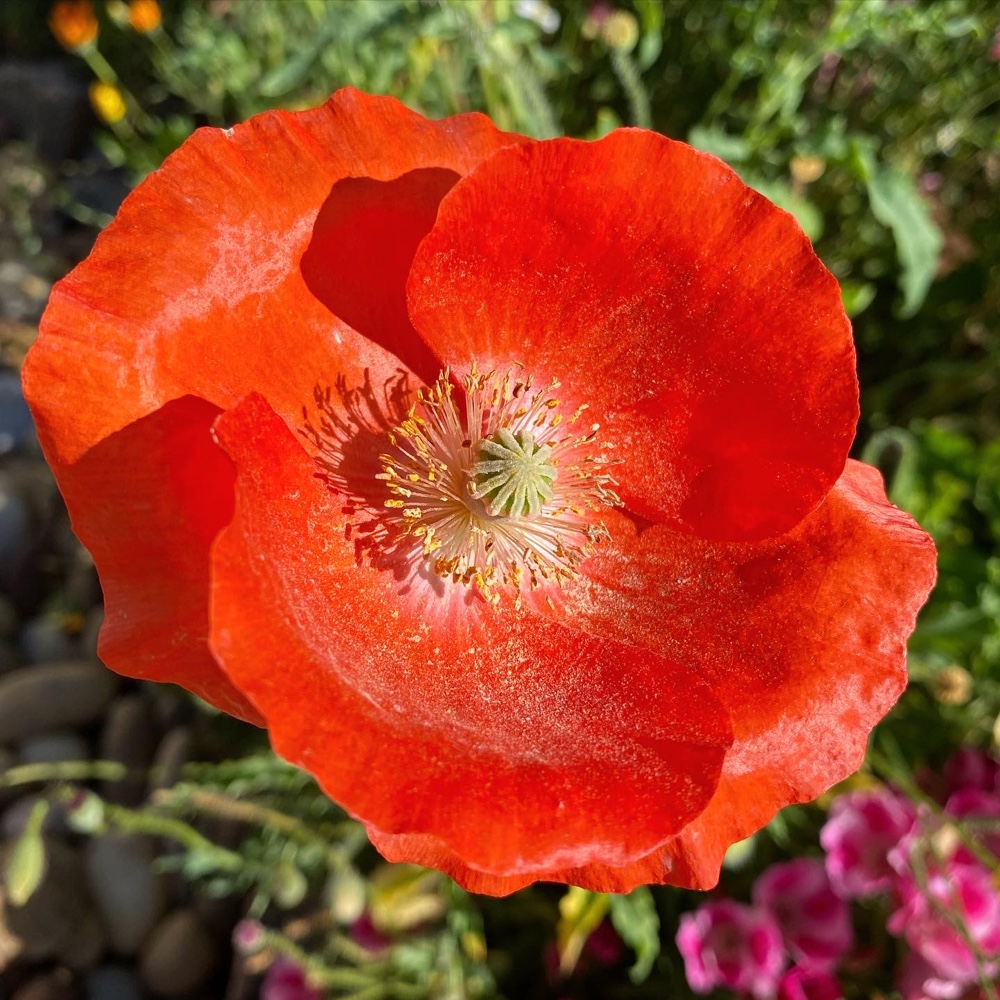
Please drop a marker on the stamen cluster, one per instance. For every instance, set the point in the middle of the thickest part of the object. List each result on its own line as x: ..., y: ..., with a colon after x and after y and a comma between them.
x: 497, y: 486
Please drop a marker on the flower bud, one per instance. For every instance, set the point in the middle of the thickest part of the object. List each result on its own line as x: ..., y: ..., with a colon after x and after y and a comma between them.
x: 107, y: 101
x: 85, y: 812
x: 346, y: 895
x: 620, y: 30
x: 74, y: 24
x: 249, y: 937
x: 952, y: 685
x: 144, y: 15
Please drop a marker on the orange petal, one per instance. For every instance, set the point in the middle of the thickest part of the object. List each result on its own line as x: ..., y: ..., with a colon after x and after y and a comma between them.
x: 207, y: 282
x: 423, y: 710
x: 803, y: 639
x: 157, y: 492
x: 689, y: 312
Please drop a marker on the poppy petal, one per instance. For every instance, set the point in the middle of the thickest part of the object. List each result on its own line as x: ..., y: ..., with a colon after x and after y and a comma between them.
x: 423, y: 709
x: 687, y: 311
x: 220, y: 274
x: 156, y: 494
x: 807, y: 657
x: 218, y: 277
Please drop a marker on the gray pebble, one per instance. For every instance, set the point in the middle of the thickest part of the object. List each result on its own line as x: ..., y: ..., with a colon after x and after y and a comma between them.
x: 43, y: 640
x: 81, y: 587
x: 10, y: 658
x: 113, y: 982
x: 91, y: 632
x: 129, y: 894
x: 87, y: 946
x: 15, y: 528
x: 129, y: 737
x: 9, y: 619
x: 51, y: 696
x: 171, y: 755
x: 179, y: 956
x: 51, y: 986
x: 52, y: 747
x: 17, y: 429
x: 33, y: 481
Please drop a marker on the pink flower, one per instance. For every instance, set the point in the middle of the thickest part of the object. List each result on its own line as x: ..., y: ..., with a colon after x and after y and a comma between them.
x: 955, y: 914
x: 800, y: 983
x: 365, y: 933
x: 970, y: 767
x: 285, y: 981
x: 731, y: 945
x: 973, y: 803
x: 863, y: 827
x: 815, y: 922
x: 917, y: 979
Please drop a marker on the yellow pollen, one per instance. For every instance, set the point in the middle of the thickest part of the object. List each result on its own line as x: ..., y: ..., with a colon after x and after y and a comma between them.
x: 496, y: 493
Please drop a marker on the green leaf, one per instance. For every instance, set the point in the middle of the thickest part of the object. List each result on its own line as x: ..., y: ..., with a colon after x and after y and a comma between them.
x: 286, y: 77
x: 857, y: 296
x: 26, y: 864
x: 731, y: 148
x: 635, y: 918
x: 896, y: 203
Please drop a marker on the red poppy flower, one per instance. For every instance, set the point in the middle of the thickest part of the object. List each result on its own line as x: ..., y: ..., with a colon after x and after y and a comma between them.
x: 302, y: 402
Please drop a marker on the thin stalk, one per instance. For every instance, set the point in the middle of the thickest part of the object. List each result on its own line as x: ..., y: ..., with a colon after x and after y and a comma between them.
x: 628, y: 76
x: 70, y: 770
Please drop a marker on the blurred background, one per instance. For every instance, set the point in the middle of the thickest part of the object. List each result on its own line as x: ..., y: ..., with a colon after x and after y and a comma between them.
x: 152, y: 848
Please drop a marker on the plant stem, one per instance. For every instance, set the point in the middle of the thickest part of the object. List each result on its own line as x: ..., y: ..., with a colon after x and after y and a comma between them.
x: 628, y: 76
x: 71, y: 770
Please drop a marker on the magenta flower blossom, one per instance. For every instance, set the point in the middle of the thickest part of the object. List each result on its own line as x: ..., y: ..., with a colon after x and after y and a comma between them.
x: 731, y: 945
x: 955, y: 893
x: 861, y: 830
x: 814, y: 921
x: 365, y: 933
x: 974, y: 803
x: 285, y: 981
x: 917, y: 979
x: 800, y: 983
x: 970, y: 767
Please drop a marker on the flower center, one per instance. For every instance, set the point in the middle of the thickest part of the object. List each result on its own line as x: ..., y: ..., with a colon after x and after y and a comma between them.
x: 513, y: 475
x: 498, y: 487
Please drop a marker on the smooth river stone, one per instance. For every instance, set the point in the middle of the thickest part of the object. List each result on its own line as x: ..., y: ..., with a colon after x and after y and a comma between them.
x: 51, y: 696
x: 129, y: 894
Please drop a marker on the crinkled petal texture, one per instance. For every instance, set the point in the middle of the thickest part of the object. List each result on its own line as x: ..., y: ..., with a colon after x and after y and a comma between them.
x: 264, y: 309
x: 270, y: 257
x: 802, y: 639
x: 684, y: 309
x: 522, y: 746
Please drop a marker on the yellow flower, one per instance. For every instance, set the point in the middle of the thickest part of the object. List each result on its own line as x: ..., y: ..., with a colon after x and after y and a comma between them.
x: 620, y: 30
x: 144, y: 15
x: 73, y: 23
x: 107, y: 101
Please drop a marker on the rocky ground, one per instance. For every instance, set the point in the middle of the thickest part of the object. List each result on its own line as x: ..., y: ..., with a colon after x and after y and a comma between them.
x: 105, y: 923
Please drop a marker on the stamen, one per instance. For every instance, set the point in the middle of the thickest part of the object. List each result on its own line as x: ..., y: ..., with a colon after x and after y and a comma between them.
x: 503, y: 493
